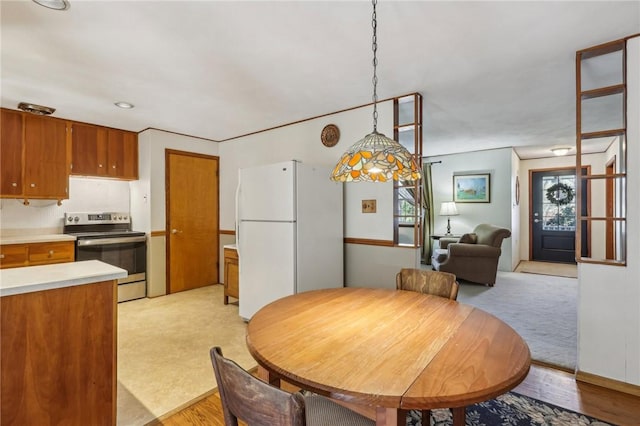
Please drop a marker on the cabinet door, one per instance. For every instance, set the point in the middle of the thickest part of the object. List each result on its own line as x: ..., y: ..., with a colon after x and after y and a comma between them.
x: 46, y: 158
x: 122, y: 154
x: 88, y: 150
x: 11, y: 153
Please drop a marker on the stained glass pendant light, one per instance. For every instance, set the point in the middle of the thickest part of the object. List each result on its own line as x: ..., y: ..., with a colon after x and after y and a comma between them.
x: 375, y: 158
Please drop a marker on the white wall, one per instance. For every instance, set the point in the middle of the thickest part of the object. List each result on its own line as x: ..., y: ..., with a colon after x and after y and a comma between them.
x: 498, y: 163
x: 45, y: 216
x: 609, y: 296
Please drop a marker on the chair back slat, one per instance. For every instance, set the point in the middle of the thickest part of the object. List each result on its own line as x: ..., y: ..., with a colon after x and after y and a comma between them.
x: 437, y: 283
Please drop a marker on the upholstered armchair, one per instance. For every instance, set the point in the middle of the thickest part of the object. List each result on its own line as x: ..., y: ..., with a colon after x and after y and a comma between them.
x: 474, y: 256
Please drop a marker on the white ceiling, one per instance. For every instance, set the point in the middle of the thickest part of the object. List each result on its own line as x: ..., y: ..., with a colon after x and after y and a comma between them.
x: 493, y: 74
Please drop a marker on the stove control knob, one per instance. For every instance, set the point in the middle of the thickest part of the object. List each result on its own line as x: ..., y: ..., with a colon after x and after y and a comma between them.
x: 76, y: 219
x: 70, y: 219
x: 125, y: 218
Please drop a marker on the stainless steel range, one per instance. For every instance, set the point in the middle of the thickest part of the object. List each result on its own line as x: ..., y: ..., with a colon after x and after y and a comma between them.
x: 108, y: 237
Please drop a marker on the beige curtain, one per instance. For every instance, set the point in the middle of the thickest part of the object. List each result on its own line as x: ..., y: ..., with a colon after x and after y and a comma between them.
x: 428, y: 216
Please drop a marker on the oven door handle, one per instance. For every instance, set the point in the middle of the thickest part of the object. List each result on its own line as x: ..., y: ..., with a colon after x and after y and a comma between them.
x: 107, y: 241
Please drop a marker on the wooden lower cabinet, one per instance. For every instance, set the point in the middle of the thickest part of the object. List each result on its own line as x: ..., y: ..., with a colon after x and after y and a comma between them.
x: 231, y: 288
x: 16, y: 255
x: 59, y: 356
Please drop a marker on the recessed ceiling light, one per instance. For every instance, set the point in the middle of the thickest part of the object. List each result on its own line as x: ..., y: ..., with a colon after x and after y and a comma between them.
x: 54, y: 4
x: 560, y: 151
x: 124, y: 105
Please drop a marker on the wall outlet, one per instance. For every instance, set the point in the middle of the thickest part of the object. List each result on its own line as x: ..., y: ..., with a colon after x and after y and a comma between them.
x: 368, y: 206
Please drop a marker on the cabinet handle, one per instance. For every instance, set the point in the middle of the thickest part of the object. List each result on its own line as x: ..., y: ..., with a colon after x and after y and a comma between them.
x: 113, y: 167
x: 14, y: 184
x: 1, y: 256
x: 100, y: 165
x: 33, y: 185
x: 50, y: 252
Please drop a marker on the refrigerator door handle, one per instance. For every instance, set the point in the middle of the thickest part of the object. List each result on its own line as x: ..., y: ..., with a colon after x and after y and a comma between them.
x: 238, y: 219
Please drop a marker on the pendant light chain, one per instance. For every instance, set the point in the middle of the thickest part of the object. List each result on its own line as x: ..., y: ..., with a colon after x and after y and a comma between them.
x: 374, y: 46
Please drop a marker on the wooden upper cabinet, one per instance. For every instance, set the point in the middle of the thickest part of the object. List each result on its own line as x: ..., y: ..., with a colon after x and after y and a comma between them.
x: 11, y: 127
x: 46, y: 161
x: 103, y: 152
x: 88, y: 153
x: 122, y: 154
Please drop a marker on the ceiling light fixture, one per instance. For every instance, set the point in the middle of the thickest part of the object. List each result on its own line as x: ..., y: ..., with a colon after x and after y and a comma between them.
x: 54, y: 4
x: 560, y: 151
x: 124, y: 105
x: 375, y: 158
x: 36, y: 109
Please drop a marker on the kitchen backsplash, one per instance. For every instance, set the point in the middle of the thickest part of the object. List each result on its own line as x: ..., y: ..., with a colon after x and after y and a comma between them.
x: 86, y: 195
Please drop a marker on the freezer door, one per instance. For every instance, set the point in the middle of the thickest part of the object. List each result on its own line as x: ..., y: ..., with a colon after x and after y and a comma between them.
x: 267, y: 193
x: 266, y: 264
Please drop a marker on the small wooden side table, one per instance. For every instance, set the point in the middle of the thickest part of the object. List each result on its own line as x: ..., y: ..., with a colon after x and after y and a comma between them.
x: 231, y: 288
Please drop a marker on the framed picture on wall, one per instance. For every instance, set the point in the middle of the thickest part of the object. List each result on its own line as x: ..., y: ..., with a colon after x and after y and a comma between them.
x: 472, y: 188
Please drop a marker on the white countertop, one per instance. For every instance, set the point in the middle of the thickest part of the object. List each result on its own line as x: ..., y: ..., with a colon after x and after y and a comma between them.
x: 230, y: 246
x: 45, y: 238
x: 48, y: 277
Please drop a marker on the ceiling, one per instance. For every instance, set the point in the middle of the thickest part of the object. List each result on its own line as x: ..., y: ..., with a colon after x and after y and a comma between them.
x: 492, y: 74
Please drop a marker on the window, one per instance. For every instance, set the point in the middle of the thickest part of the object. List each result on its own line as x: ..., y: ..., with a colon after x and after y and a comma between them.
x: 601, y: 120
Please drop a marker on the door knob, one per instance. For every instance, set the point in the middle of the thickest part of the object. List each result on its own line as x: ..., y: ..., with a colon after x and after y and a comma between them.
x: 536, y: 220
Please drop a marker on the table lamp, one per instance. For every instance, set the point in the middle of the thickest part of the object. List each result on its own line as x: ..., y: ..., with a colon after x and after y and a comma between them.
x: 448, y: 209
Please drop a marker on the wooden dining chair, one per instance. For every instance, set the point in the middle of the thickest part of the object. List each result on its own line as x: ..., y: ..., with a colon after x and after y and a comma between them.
x: 441, y: 284
x: 257, y: 403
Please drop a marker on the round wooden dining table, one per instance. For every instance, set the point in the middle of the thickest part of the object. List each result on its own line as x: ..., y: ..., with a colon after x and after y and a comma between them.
x: 391, y: 350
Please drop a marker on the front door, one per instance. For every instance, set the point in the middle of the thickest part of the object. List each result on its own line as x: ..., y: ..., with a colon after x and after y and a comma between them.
x: 192, y: 220
x: 553, y: 215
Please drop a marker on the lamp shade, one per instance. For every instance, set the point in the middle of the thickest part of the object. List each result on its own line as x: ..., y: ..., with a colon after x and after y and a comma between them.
x: 448, y: 209
x: 376, y: 158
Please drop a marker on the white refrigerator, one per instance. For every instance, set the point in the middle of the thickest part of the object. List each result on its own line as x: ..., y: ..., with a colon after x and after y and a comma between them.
x: 289, y: 233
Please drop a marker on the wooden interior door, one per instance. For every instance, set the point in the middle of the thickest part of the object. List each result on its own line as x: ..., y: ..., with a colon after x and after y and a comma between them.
x: 192, y: 212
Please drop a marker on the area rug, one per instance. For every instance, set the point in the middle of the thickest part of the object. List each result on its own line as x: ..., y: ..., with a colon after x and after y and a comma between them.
x: 548, y: 268
x: 541, y: 308
x: 510, y: 409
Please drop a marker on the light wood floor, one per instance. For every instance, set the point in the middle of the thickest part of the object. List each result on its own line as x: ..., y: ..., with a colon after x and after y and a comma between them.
x: 543, y: 383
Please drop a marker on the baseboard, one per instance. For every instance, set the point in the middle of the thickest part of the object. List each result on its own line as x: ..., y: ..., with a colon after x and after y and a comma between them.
x: 608, y: 383
x: 552, y: 366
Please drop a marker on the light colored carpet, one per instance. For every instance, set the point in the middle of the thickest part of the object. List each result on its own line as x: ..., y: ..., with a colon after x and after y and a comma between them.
x: 541, y: 308
x: 163, y: 350
x: 548, y: 268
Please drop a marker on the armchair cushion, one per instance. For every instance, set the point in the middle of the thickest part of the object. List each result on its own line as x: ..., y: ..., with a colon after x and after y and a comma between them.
x: 469, y: 238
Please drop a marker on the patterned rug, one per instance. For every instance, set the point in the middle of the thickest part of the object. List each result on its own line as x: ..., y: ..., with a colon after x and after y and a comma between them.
x: 511, y: 409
